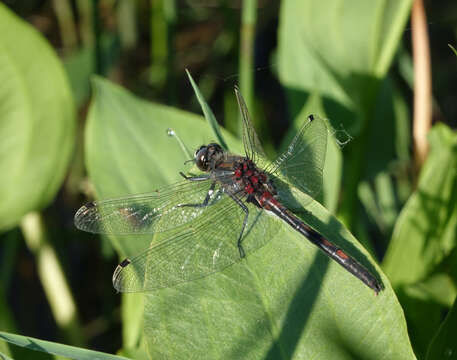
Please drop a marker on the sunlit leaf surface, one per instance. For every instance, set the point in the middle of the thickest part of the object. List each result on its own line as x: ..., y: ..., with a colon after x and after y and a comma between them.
x: 37, y: 122
x: 286, y: 300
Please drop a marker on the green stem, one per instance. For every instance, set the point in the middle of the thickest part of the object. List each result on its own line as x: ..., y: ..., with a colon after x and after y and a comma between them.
x: 248, y: 21
x: 126, y: 15
x: 158, y: 46
x: 52, y: 277
x: 64, y: 15
x: 99, y: 68
x: 86, y: 18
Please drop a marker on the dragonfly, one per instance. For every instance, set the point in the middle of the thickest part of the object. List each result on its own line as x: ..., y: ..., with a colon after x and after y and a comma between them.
x: 216, y: 217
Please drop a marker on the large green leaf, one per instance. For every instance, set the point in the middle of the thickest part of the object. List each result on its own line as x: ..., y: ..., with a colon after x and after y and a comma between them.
x: 284, y: 301
x: 333, y: 58
x: 335, y: 49
x: 128, y: 151
x: 37, y: 120
x: 426, y: 228
x: 49, y: 347
x: 424, y: 239
x: 126, y: 136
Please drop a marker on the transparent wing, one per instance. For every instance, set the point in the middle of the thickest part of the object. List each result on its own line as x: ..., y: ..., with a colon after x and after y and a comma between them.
x: 252, y: 146
x: 206, y: 245
x: 157, y: 211
x: 302, y: 163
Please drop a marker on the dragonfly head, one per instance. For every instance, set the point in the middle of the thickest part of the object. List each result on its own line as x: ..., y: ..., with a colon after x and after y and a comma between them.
x: 208, y: 155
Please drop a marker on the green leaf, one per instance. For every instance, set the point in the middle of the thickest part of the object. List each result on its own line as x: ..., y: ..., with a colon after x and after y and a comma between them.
x: 79, y: 67
x: 380, y: 202
x: 423, y: 241
x: 4, y: 357
x: 443, y: 345
x: 37, y: 120
x: 56, y: 348
x: 335, y: 50
x: 126, y: 137
x: 209, y: 115
x: 427, y: 226
x: 420, y: 328
x: 286, y: 300
x: 437, y: 288
x: 333, y: 58
x: 132, y: 313
x: 332, y: 175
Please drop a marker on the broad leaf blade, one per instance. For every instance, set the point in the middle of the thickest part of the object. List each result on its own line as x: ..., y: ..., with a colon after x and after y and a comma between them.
x: 126, y: 136
x: 49, y: 347
x: 270, y: 304
x: 335, y: 51
x: 333, y: 59
x: 426, y: 228
x: 285, y: 301
x: 37, y: 120
x: 128, y: 151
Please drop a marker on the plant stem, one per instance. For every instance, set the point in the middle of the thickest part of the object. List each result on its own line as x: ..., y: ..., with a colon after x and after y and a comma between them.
x: 86, y: 27
x: 52, y: 277
x: 422, y: 117
x: 248, y: 21
x: 159, y: 42
x: 99, y: 68
x: 126, y: 15
x: 62, y: 9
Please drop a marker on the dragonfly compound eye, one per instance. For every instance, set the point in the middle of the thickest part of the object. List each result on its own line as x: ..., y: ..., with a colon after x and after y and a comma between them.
x: 201, y: 158
x: 200, y: 148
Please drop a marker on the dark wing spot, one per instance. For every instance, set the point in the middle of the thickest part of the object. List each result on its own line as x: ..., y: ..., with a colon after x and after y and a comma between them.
x: 125, y: 262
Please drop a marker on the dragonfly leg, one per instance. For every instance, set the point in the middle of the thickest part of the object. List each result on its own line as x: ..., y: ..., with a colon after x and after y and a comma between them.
x: 194, y: 178
x: 205, y: 202
x: 245, y: 221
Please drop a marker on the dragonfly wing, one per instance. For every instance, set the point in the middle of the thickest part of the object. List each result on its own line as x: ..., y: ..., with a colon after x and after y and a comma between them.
x: 157, y: 211
x: 301, y: 165
x: 206, y: 245
x: 252, y: 145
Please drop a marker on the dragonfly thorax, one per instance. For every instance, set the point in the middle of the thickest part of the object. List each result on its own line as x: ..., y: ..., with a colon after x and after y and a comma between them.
x: 252, y: 179
x: 207, y: 157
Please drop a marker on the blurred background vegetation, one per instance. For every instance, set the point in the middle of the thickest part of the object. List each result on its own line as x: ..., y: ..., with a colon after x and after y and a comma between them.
x: 54, y: 281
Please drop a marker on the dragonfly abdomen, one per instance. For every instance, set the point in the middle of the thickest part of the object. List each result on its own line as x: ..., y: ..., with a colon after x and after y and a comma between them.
x: 268, y: 202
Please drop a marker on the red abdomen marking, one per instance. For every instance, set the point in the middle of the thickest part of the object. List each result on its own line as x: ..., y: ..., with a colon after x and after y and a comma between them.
x: 267, y: 199
x: 342, y: 254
